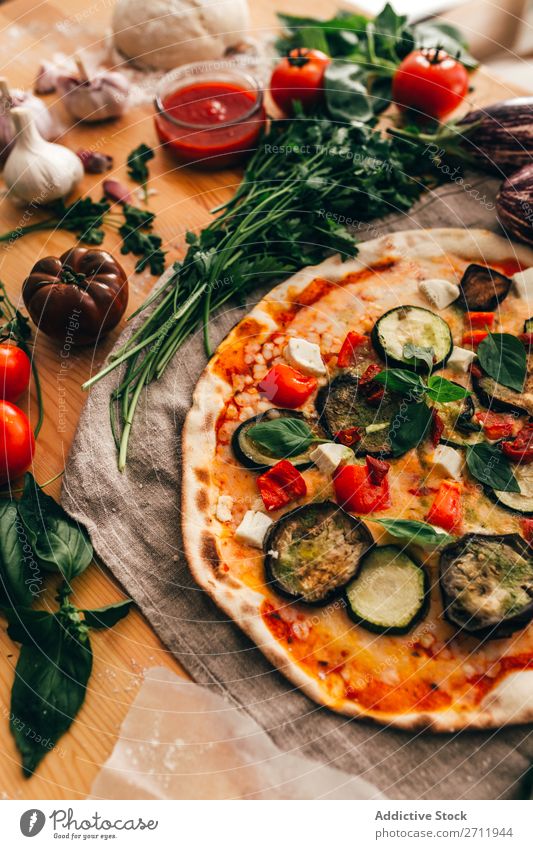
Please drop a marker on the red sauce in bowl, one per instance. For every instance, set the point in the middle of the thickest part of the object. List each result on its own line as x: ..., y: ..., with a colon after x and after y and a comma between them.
x: 209, y: 121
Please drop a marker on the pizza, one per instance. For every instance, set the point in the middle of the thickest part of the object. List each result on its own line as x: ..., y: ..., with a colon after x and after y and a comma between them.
x: 358, y: 480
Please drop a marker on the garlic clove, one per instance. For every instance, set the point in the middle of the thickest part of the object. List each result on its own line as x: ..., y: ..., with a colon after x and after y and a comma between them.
x: 99, y: 97
x: 38, y: 171
x: 48, y: 127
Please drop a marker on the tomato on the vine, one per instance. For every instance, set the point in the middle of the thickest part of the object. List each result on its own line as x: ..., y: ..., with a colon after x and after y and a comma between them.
x: 430, y: 82
x: 15, y: 371
x: 299, y: 76
x: 17, y: 442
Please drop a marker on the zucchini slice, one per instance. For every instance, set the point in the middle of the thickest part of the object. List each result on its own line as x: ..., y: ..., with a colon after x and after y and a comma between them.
x: 460, y: 427
x: 486, y: 583
x: 528, y: 325
x: 411, y: 325
x: 253, y: 456
x: 501, y: 398
x: 519, y: 502
x: 390, y: 592
x: 313, y: 551
x: 342, y: 405
x: 482, y: 288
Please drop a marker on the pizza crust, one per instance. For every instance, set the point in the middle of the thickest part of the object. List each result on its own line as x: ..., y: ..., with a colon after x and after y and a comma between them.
x: 511, y: 700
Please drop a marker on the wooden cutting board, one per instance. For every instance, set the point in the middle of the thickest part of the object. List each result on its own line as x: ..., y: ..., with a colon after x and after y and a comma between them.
x: 184, y: 196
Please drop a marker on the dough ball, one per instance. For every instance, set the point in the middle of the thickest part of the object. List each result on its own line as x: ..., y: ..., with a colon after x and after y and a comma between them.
x: 163, y: 34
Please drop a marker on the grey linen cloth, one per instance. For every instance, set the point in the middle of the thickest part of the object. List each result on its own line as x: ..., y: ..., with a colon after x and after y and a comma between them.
x: 134, y: 522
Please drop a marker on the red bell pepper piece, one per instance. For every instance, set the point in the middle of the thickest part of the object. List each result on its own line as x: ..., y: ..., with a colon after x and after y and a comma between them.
x: 446, y: 511
x: 286, y: 386
x: 437, y: 428
x: 475, y: 337
x: 496, y: 425
x: 355, y: 491
x: 349, y: 436
x: 527, y: 530
x: 377, y: 469
x: 526, y: 340
x: 482, y: 320
x: 520, y: 449
x: 346, y: 355
x: 280, y: 485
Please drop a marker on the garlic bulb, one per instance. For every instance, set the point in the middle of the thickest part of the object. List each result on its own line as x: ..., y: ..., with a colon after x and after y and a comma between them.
x: 96, y: 98
x: 47, y: 126
x: 38, y: 171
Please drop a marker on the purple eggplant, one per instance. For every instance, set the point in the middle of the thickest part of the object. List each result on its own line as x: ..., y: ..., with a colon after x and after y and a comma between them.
x: 514, y: 205
x: 498, y: 137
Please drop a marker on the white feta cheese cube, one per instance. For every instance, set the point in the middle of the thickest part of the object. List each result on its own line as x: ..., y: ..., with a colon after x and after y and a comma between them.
x: 448, y: 461
x: 305, y: 356
x: 523, y: 284
x: 460, y: 359
x: 438, y: 292
x: 224, y: 508
x: 328, y: 456
x: 253, y: 528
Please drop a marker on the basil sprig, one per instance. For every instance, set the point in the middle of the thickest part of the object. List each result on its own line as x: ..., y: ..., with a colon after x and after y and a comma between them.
x: 410, y: 426
x: 55, y: 661
x: 405, y: 382
x: 503, y: 357
x: 416, y: 354
x: 418, y: 532
x: 283, y: 437
x: 490, y: 466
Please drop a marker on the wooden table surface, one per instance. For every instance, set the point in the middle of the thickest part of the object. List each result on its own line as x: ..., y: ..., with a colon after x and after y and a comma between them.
x: 31, y: 32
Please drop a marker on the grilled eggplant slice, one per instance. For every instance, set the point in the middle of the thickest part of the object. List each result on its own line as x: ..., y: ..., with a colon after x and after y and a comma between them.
x: 501, y: 398
x: 253, y: 456
x: 341, y: 405
x: 486, y: 583
x: 482, y: 288
x: 390, y: 592
x: 416, y: 326
x: 518, y: 502
x: 313, y: 551
x: 460, y: 427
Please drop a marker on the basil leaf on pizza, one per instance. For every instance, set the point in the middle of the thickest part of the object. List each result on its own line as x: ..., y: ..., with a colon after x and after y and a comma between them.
x: 416, y: 354
x: 418, y: 532
x: 442, y: 391
x: 503, y: 357
x: 283, y: 437
x: 410, y: 427
x: 400, y: 380
x: 489, y: 466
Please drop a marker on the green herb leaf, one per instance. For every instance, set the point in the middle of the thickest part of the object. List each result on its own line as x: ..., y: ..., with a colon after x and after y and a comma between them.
x: 443, y: 391
x: 503, y: 357
x: 137, y: 167
x: 400, y: 380
x: 53, y: 668
x: 345, y: 93
x: 59, y: 543
x: 19, y: 573
x: 417, y: 532
x: 449, y: 38
x: 410, y: 426
x: 416, y: 354
x: 283, y: 437
x: 489, y: 465
x: 106, y: 617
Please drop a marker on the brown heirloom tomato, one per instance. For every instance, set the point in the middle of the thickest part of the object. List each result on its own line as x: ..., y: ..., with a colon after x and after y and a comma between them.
x: 83, y: 287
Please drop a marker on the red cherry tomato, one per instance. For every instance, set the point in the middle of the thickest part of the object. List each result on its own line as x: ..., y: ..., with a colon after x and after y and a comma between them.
x: 431, y: 82
x: 496, y: 425
x: 520, y: 450
x: 15, y: 371
x: 347, y: 355
x: 299, y: 76
x: 17, y: 442
x: 446, y: 511
x: 355, y: 491
x: 286, y: 386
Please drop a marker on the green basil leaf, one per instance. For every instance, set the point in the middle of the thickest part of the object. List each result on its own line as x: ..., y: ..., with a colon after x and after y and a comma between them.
x: 503, y: 357
x: 489, y: 465
x: 52, y: 672
x: 400, y: 380
x: 346, y: 95
x: 418, y: 532
x: 283, y: 437
x: 20, y: 575
x: 416, y: 354
x: 442, y: 390
x: 59, y: 543
x: 106, y: 617
x: 409, y: 427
